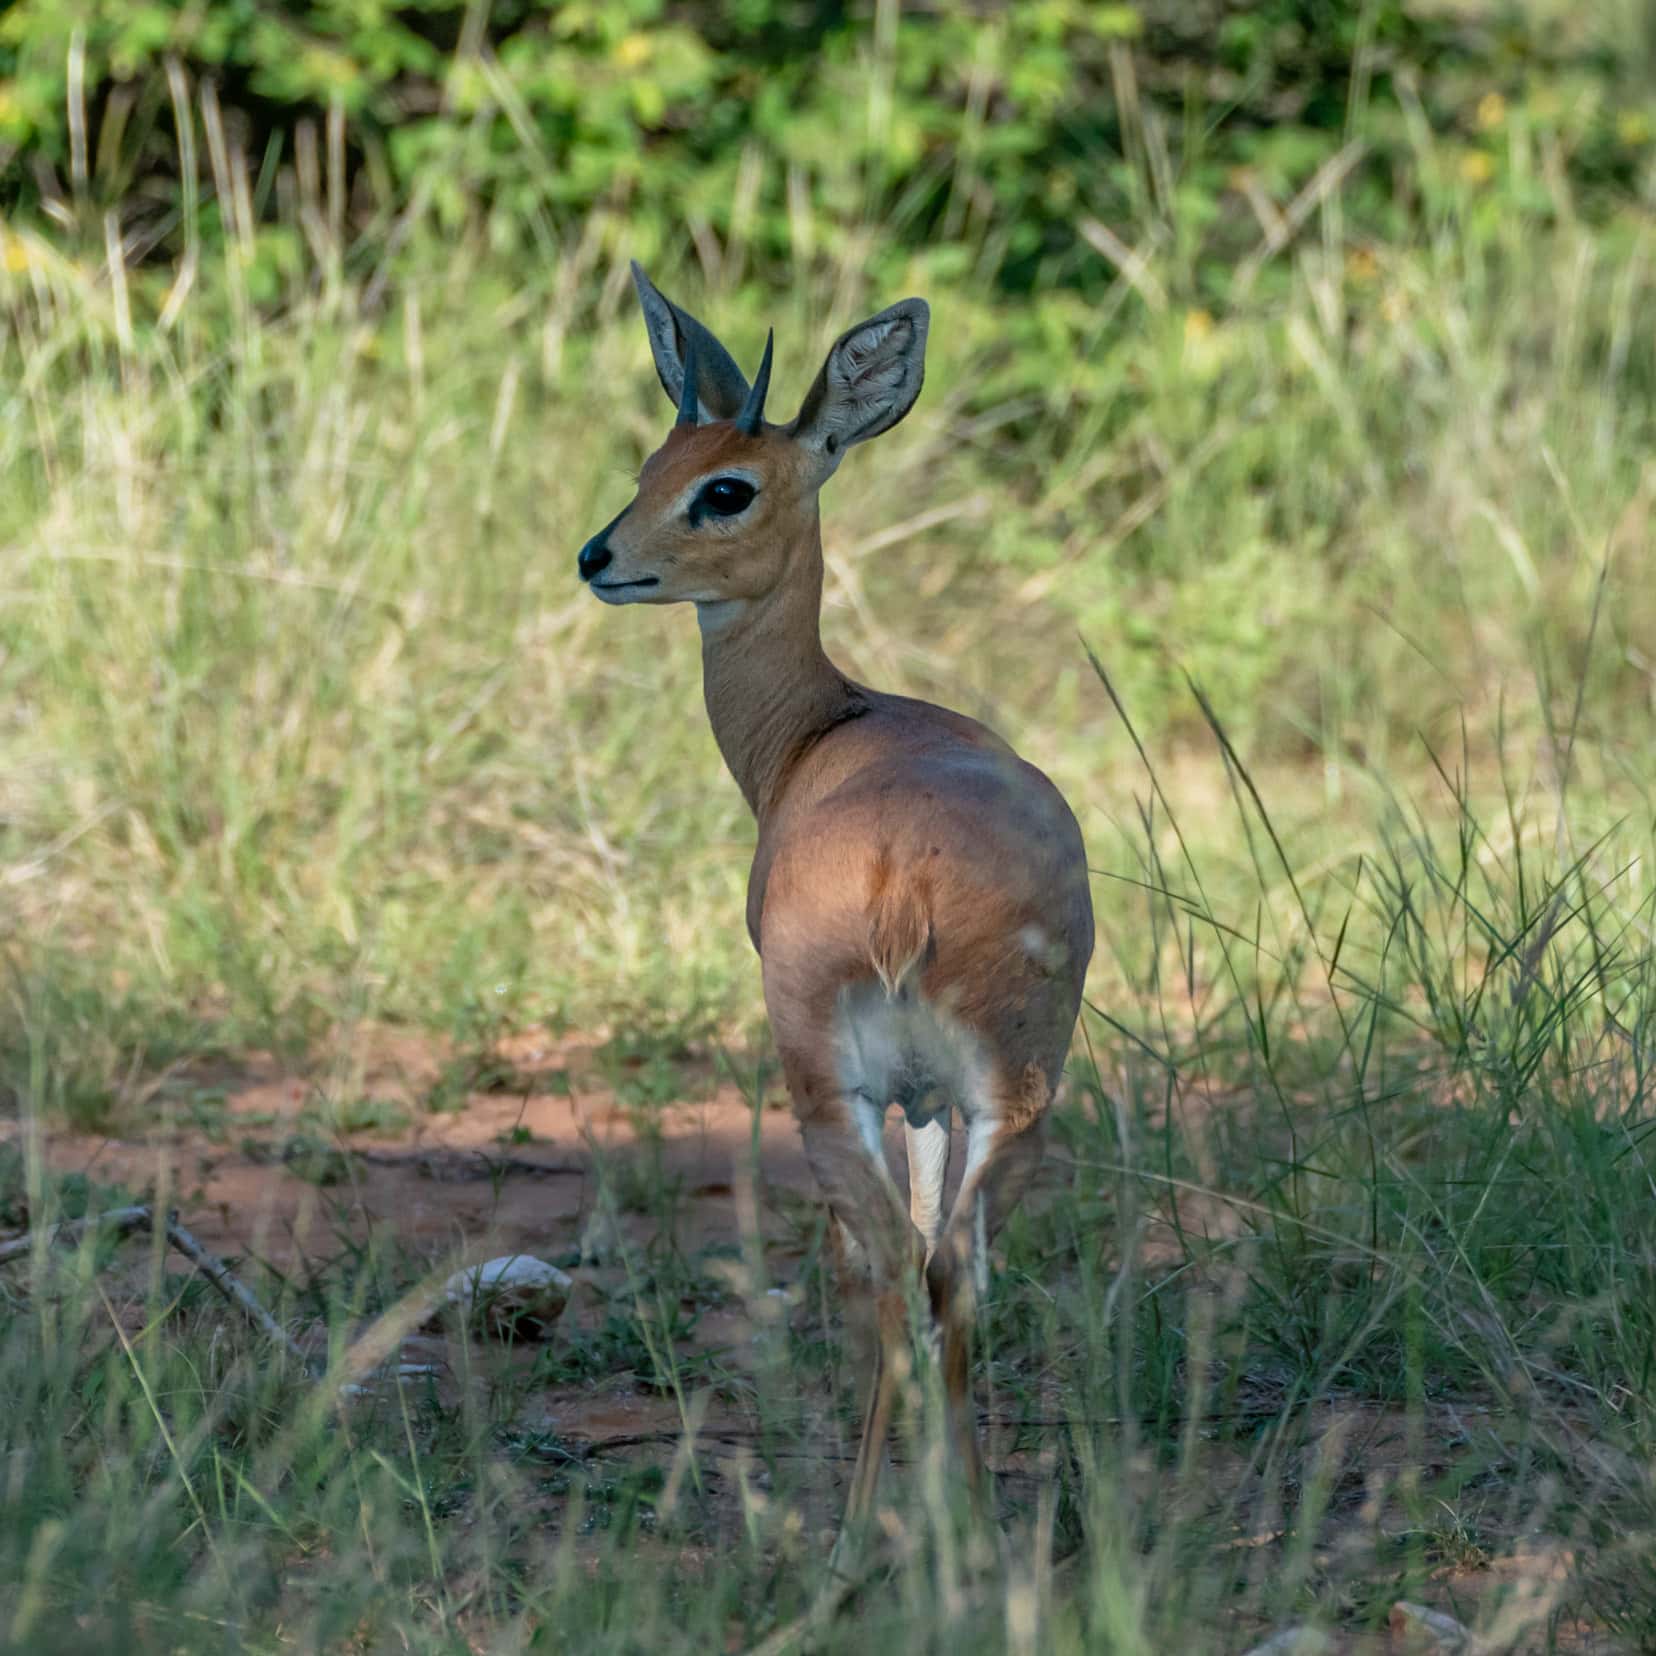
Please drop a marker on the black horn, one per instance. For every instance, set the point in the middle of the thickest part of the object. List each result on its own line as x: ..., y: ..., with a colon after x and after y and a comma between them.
x: 753, y: 410
x: 688, y: 411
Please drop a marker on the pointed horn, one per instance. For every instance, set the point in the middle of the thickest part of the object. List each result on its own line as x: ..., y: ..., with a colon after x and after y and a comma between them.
x: 688, y: 412
x: 753, y: 410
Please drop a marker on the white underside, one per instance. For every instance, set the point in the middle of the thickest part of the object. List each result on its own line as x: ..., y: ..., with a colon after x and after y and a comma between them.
x: 906, y: 1051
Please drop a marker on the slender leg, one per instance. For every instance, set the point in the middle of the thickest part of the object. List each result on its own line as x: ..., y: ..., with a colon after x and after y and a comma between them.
x: 949, y: 1279
x: 851, y: 1277
x: 842, y: 1144
x: 1002, y: 1156
x: 890, y: 1371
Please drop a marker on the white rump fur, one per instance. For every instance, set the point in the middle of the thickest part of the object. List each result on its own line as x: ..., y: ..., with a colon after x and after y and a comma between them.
x: 917, y: 1055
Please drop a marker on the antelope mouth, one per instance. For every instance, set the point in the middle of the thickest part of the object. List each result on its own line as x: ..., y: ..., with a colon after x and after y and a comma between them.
x: 625, y: 586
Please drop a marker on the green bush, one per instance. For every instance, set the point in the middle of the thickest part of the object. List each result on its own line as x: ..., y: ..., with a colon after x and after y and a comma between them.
x: 993, y: 138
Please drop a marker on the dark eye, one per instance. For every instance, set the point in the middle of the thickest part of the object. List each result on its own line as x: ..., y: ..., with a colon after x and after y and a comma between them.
x: 725, y: 497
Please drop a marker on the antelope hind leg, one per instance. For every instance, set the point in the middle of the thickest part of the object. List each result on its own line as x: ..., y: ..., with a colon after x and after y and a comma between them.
x: 1000, y: 1164
x: 863, y: 1196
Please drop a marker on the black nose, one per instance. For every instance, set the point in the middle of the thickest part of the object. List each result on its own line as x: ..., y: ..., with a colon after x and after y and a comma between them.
x: 595, y: 555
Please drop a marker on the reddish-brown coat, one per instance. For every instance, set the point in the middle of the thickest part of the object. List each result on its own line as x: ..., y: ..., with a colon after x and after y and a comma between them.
x: 915, y: 882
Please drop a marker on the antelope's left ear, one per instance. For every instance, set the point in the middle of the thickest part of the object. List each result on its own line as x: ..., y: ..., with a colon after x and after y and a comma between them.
x: 868, y: 383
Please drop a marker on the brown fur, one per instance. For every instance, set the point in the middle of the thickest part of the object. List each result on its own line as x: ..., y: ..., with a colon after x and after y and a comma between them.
x: 896, y: 840
x: 899, y: 923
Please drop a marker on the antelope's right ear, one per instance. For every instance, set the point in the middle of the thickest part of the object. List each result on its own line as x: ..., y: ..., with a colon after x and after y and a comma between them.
x: 675, y: 337
x: 869, y: 382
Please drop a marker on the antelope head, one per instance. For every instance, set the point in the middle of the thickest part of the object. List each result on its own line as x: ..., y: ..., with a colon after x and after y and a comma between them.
x: 724, y: 502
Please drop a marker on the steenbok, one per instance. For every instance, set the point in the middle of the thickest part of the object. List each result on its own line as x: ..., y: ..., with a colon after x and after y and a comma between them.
x: 919, y: 895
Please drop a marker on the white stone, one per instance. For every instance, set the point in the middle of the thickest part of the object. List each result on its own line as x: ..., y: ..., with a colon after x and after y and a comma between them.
x: 517, y: 1296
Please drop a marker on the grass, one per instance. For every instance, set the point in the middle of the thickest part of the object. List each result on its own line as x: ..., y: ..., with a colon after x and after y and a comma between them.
x: 1336, y: 1296
x: 1344, y: 1286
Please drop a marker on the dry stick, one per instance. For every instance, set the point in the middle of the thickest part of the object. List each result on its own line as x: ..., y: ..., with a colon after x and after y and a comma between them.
x: 118, y: 1220
x: 441, y: 1164
x: 736, y: 1437
x: 123, y: 1221
x: 228, y: 1284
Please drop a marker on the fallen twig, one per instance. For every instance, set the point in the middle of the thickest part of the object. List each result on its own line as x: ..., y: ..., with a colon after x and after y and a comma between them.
x: 583, y: 1449
x: 233, y: 1289
x: 118, y: 1220
x: 123, y: 1221
x: 444, y: 1165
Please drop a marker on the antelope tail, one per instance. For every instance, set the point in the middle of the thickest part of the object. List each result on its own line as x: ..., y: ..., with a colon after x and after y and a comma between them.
x: 900, y: 938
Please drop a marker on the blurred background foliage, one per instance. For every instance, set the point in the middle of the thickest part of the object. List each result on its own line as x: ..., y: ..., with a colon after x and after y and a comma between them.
x: 988, y: 137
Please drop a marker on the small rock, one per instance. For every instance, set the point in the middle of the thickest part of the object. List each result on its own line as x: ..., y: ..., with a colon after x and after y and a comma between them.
x: 517, y: 1295
x: 1425, y: 1629
x: 1293, y: 1641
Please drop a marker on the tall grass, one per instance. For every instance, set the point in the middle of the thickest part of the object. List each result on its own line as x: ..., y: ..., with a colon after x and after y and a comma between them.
x: 1341, y: 1291
x: 1345, y: 1277
x: 308, y: 722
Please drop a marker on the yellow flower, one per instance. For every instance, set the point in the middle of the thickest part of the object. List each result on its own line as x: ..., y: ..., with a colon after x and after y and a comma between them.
x: 1476, y: 167
x: 329, y: 68
x: 1491, y: 111
x: 1361, y: 265
x: 1206, y: 345
x: 1633, y: 127
x: 632, y: 50
x: 16, y: 255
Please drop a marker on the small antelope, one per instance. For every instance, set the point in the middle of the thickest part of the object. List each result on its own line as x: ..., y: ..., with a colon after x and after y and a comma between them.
x: 919, y: 894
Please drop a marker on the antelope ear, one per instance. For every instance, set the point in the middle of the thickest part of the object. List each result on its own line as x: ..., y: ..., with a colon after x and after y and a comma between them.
x: 868, y: 382
x: 721, y: 390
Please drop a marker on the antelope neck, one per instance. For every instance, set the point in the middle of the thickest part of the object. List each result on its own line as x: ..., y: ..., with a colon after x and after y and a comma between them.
x: 770, y: 688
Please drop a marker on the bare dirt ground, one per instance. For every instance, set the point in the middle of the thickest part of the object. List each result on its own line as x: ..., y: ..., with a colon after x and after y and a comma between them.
x: 269, y: 1165
x: 509, y: 1165
x: 262, y: 1165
